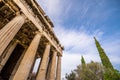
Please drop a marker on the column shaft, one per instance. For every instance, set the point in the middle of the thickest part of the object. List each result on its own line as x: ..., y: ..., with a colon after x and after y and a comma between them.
x: 8, y: 32
x: 28, y: 59
x: 48, y: 68
x: 7, y: 54
x: 42, y: 70
x: 58, y: 73
x: 53, y: 67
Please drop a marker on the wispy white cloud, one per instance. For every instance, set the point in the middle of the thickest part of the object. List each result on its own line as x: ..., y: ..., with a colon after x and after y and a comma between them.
x: 52, y: 7
x: 76, y: 40
x: 49, y: 6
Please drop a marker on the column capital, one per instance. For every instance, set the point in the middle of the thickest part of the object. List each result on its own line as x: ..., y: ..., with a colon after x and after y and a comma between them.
x: 23, y: 15
x: 17, y: 41
x: 38, y: 32
x: 54, y: 51
x: 17, y: 13
x: 20, y: 13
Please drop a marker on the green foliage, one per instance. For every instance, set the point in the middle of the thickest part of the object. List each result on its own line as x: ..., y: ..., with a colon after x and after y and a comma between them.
x: 92, y: 71
x: 71, y: 76
x: 111, y: 74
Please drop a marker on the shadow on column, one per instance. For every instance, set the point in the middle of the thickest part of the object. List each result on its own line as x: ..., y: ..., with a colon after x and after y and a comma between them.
x: 11, y: 63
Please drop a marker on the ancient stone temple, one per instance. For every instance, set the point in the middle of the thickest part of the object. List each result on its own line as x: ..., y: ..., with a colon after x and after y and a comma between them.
x: 26, y: 34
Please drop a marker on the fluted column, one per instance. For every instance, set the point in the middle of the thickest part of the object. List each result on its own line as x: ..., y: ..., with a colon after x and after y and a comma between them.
x: 8, y: 32
x: 53, y: 66
x: 28, y: 59
x: 7, y: 54
x: 48, y: 68
x: 43, y: 67
x: 58, y: 73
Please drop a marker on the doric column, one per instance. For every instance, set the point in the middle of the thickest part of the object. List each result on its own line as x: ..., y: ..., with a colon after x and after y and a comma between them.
x: 42, y: 70
x: 9, y: 31
x: 28, y: 59
x: 48, y: 68
x: 53, y: 66
x: 7, y: 54
x: 58, y: 73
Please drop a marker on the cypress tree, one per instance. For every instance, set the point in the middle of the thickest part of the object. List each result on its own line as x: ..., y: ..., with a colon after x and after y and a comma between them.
x: 105, y: 60
x: 83, y: 63
x: 110, y: 73
x: 82, y: 60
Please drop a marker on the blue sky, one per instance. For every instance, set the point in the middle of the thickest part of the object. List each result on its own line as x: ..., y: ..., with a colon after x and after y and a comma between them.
x: 77, y: 21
